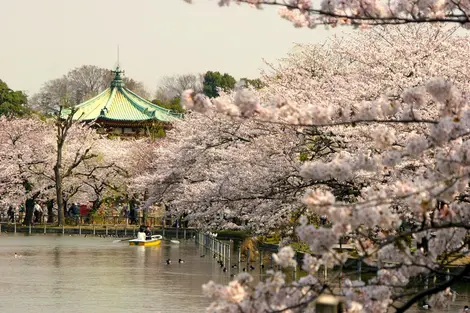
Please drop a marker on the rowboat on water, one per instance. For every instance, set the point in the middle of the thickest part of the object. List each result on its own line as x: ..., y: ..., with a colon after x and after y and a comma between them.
x: 141, y: 241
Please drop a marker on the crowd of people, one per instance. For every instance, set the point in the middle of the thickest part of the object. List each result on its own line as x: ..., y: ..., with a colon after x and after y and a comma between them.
x: 40, y: 213
x: 75, y: 212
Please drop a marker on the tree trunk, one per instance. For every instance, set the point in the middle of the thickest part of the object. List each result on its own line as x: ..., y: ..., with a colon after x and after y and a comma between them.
x: 29, y: 209
x: 96, y: 205
x: 50, y: 211
x: 145, y: 211
x: 145, y: 216
x: 57, y: 175
x: 65, y: 204
x: 62, y: 128
x: 58, y: 192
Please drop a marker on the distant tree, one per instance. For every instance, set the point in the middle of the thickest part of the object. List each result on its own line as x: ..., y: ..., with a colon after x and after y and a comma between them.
x: 172, y: 104
x: 255, y: 83
x: 12, y: 102
x: 52, y: 95
x: 171, y: 87
x: 78, y: 85
x: 214, y: 80
x: 88, y: 80
x: 135, y: 86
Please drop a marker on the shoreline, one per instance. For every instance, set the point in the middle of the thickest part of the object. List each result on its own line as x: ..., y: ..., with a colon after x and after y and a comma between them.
x: 97, y: 230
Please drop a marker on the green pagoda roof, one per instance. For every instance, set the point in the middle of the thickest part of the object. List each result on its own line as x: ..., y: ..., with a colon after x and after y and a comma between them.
x: 117, y: 103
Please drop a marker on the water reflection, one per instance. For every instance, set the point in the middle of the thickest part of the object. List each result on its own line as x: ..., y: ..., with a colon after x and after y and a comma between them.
x: 91, y: 275
x: 76, y: 274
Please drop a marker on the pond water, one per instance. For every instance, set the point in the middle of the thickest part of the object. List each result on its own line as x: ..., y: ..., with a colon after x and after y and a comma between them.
x: 92, y: 275
x: 76, y: 274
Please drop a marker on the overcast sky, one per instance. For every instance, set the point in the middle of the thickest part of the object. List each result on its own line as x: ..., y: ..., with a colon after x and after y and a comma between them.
x: 44, y: 39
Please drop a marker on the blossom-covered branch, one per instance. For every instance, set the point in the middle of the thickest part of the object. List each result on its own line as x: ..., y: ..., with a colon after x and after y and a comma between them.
x: 412, y: 176
x: 303, y: 13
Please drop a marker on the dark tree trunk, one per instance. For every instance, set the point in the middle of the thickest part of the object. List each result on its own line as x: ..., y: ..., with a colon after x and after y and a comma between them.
x: 50, y: 211
x: 65, y: 204
x: 58, y: 187
x: 63, y: 125
x: 145, y: 210
x: 96, y: 205
x: 29, y: 209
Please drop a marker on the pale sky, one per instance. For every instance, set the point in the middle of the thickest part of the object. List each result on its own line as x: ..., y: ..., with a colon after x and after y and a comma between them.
x: 44, y: 39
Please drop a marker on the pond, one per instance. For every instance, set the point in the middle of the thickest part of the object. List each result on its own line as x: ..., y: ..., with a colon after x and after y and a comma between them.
x: 77, y: 274
x: 80, y: 274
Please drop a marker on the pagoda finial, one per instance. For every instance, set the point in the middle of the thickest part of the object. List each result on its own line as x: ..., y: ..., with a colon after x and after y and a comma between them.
x: 117, y: 56
x: 117, y: 81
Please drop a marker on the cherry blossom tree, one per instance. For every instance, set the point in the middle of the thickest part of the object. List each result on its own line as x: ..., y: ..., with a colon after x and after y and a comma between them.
x: 29, y: 148
x: 307, y: 13
x: 224, y: 173
x: 234, y: 185
x: 400, y: 113
x: 23, y: 155
x: 40, y: 156
x: 109, y: 174
x: 88, y: 166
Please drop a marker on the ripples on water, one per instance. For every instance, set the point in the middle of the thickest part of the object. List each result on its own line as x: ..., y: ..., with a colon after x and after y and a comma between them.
x: 91, y: 275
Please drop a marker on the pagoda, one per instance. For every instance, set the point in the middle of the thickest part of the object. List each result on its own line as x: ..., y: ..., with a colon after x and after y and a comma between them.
x: 119, y: 111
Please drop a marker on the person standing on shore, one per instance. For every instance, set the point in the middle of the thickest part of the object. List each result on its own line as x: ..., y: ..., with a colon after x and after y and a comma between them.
x: 37, y: 213
x: 133, y: 216
x: 11, y: 213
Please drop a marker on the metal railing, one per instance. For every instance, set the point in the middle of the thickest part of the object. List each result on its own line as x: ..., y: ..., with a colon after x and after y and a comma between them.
x: 116, y: 230
x: 221, y: 249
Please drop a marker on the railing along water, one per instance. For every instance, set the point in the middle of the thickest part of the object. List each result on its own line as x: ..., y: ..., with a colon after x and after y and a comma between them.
x: 83, y: 220
x: 119, y: 227
x: 221, y: 249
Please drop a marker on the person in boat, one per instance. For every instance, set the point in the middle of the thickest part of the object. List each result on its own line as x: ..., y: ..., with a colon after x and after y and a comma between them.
x: 148, y: 233
x: 141, y: 233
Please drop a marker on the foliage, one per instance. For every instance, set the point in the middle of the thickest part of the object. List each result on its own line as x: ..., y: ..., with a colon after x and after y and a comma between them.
x: 157, y: 130
x: 12, y: 103
x: 173, y: 104
x: 213, y: 81
x: 255, y: 83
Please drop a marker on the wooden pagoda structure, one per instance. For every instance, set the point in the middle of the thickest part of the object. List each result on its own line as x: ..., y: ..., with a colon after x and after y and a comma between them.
x: 119, y: 111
